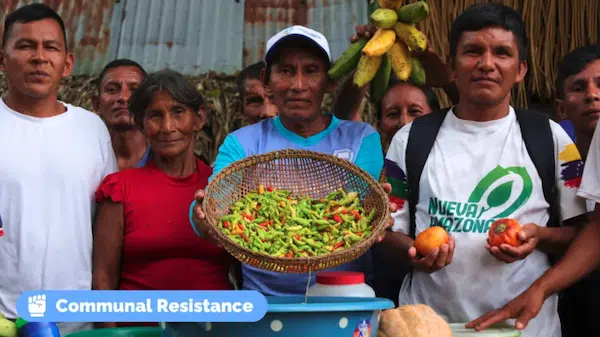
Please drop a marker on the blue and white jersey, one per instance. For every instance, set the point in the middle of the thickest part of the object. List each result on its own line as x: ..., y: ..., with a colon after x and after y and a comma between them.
x: 354, y: 141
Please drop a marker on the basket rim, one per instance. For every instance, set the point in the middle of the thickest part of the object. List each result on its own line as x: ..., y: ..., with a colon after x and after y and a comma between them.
x: 378, y: 227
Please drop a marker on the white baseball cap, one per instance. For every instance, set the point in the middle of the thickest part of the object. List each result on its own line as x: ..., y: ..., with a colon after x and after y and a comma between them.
x: 295, y: 32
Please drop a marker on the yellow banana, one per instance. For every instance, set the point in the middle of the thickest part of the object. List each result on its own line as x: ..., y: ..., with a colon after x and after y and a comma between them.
x: 401, y: 60
x: 366, y: 70
x: 380, y: 43
x: 414, y: 39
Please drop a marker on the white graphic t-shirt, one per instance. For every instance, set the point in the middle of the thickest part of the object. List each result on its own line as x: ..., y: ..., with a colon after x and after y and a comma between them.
x: 478, y: 172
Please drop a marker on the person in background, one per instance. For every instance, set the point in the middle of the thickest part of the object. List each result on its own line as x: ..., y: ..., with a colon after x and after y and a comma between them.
x: 257, y: 103
x: 297, y: 62
x: 142, y: 236
x: 116, y: 83
x: 578, y: 87
x: 578, y: 93
x: 401, y: 104
x: 479, y: 144
x: 54, y: 156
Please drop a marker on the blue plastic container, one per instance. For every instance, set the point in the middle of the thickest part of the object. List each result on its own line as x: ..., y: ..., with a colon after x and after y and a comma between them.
x: 290, y: 317
x: 39, y: 329
x: 119, y: 332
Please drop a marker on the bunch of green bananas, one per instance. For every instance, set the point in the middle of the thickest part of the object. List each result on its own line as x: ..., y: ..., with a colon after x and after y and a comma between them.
x: 388, y: 50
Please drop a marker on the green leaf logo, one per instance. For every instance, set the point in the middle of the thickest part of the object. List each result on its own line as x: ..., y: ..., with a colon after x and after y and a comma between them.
x: 500, y: 195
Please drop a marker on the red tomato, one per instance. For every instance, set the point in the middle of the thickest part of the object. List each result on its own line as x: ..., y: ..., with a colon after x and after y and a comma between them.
x: 505, y: 231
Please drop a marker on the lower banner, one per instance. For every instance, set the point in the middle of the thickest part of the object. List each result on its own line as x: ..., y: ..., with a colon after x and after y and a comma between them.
x: 141, y: 306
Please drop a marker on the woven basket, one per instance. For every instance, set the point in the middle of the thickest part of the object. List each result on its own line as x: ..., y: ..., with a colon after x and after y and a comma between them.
x: 303, y: 173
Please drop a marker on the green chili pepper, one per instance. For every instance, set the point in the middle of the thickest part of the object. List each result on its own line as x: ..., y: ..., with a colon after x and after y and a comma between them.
x: 259, y: 220
x: 231, y: 217
x: 313, y: 244
x: 301, y: 221
x: 333, y: 195
x: 321, y: 222
x: 322, y: 227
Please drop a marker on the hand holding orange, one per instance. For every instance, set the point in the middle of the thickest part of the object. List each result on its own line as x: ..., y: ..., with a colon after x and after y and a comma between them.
x: 430, y: 239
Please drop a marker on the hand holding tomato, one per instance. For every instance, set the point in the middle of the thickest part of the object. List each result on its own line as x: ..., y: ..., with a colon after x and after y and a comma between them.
x: 509, y: 242
x: 433, y: 250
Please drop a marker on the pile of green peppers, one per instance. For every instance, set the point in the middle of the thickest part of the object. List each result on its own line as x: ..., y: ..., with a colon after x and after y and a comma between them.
x: 272, y: 222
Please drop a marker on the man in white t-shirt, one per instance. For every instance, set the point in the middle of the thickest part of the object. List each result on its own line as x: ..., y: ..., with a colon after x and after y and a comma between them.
x: 578, y: 85
x: 479, y: 170
x: 54, y: 156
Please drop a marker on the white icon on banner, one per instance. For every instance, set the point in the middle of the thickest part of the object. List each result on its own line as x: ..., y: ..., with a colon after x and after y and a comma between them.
x: 37, y: 305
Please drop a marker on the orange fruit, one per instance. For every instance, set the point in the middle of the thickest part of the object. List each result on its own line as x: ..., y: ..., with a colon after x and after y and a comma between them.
x: 505, y: 231
x: 430, y: 239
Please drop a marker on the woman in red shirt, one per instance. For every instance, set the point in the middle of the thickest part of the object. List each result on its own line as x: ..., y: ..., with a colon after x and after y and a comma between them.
x: 142, y: 236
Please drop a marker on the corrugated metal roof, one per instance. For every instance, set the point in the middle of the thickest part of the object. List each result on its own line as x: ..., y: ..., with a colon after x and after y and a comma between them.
x: 336, y: 19
x: 88, y: 28
x: 192, y: 36
x: 189, y: 36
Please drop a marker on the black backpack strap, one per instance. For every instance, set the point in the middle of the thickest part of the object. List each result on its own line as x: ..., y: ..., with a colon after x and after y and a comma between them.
x: 539, y: 141
x: 421, y: 138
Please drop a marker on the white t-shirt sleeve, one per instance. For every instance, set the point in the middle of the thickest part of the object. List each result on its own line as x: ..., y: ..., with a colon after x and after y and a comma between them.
x: 395, y: 168
x: 569, y: 169
x: 110, y: 159
x: 590, y: 183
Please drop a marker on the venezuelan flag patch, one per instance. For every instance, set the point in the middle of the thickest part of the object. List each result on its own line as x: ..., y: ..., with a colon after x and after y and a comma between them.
x: 571, y: 166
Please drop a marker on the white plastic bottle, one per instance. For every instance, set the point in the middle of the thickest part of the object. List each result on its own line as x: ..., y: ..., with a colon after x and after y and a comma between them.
x: 341, y: 284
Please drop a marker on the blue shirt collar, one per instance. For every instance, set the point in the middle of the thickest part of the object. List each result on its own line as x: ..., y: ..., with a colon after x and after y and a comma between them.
x: 310, y: 141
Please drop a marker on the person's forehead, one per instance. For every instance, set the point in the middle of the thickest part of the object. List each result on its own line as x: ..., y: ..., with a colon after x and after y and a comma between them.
x: 41, y: 30
x: 403, y: 92
x: 591, y: 70
x: 122, y: 74
x: 253, y: 85
x: 489, y: 35
x: 162, y: 98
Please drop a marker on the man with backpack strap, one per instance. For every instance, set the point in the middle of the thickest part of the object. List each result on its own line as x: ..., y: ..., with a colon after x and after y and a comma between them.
x: 578, y: 88
x: 480, y: 161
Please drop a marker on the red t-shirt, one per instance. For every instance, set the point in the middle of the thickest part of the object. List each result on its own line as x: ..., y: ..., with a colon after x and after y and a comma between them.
x: 160, y: 249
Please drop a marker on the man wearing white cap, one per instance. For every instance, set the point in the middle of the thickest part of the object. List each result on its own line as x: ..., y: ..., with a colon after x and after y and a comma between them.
x: 297, y: 60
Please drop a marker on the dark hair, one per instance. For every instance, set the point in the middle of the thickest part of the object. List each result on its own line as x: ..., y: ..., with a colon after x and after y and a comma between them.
x: 250, y: 72
x: 486, y: 15
x: 31, y: 13
x: 573, y: 63
x: 300, y: 43
x: 432, y: 99
x: 174, y: 83
x: 117, y: 64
